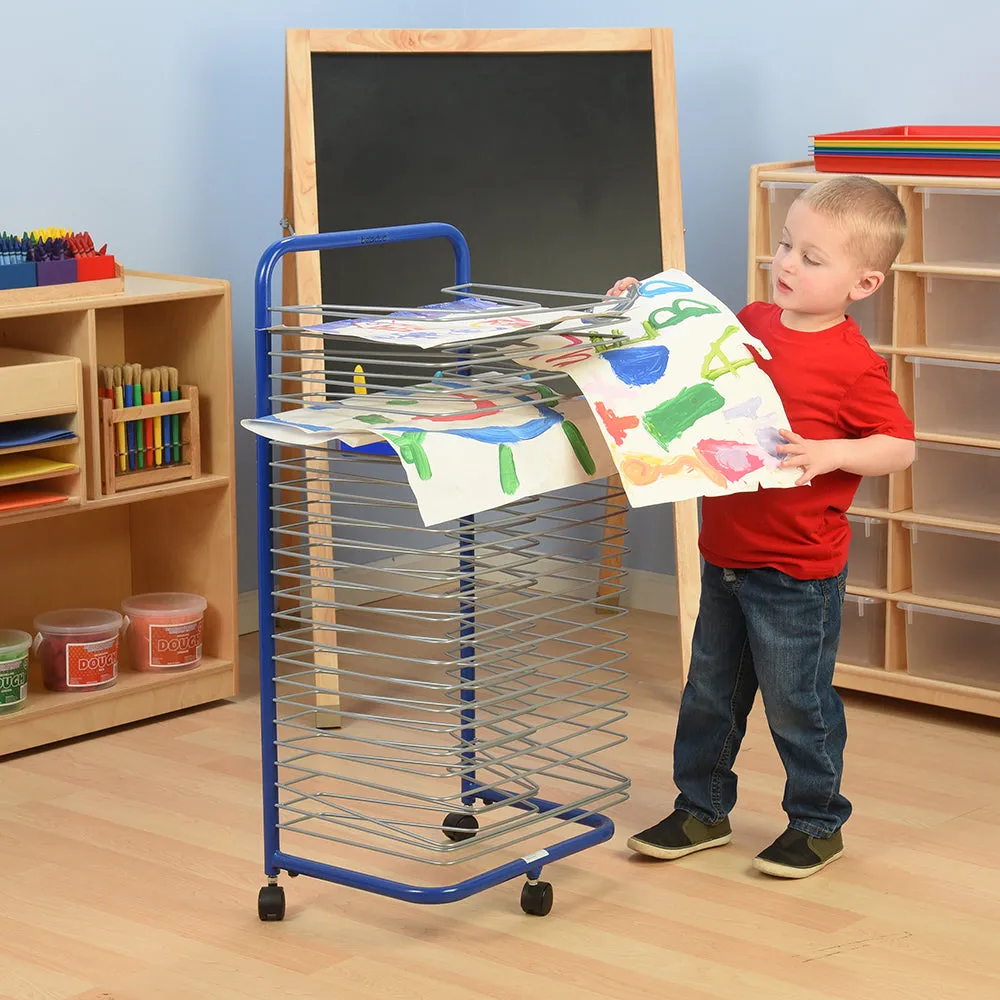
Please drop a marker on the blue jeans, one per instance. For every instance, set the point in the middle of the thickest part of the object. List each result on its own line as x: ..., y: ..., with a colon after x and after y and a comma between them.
x: 760, y: 627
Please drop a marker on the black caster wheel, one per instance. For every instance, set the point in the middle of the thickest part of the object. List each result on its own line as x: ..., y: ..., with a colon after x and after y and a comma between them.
x: 536, y: 898
x: 271, y: 903
x: 465, y: 826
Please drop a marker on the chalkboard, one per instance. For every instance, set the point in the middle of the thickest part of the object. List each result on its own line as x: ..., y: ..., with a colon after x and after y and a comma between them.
x: 553, y: 151
x: 545, y: 162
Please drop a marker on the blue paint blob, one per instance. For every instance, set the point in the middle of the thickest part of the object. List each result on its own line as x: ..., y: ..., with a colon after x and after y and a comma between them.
x: 637, y: 366
x: 769, y: 439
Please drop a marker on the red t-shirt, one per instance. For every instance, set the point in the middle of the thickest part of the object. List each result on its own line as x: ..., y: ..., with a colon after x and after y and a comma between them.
x: 832, y: 385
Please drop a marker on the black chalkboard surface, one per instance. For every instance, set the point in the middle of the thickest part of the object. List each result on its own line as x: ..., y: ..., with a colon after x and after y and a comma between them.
x: 554, y: 151
x: 545, y: 161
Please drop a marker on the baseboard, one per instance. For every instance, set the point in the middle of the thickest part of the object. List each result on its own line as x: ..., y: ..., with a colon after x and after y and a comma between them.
x: 247, y: 612
x: 645, y: 590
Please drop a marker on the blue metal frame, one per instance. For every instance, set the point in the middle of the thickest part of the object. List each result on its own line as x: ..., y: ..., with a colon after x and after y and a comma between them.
x: 601, y: 828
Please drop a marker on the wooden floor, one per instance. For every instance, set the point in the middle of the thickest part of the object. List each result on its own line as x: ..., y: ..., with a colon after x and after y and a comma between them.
x: 131, y: 863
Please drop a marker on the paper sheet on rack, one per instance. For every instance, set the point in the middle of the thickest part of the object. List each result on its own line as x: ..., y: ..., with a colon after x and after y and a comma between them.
x: 420, y: 329
x: 676, y: 403
x: 682, y: 403
x: 463, y: 451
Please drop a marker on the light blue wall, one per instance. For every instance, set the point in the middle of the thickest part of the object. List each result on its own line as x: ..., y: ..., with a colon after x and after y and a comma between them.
x: 172, y: 115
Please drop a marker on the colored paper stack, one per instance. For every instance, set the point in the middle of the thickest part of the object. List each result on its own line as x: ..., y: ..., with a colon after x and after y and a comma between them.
x: 949, y: 150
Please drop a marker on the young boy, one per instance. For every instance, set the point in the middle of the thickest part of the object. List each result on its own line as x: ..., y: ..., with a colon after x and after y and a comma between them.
x: 775, y: 560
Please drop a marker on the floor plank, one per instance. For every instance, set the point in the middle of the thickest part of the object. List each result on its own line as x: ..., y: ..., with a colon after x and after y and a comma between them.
x: 133, y: 863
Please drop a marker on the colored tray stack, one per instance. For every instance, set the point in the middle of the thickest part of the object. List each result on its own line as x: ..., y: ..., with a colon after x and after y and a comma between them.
x: 950, y: 150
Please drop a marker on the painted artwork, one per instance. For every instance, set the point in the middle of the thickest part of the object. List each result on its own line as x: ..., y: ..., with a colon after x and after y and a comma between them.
x: 445, y: 323
x: 672, y: 398
x: 682, y: 404
x: 463, y: 450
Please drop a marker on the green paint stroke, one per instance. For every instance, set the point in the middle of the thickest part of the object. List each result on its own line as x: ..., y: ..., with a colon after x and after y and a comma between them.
x: 674, y: 416
x: 679, y: 311
x: 580, y: 448
x: 715, y: 353
x: 411, y: 450
x: 374, y: 418
x: 508, y: 474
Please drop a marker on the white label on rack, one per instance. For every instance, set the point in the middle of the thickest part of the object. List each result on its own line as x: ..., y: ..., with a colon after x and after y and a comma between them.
x: 537, y: 856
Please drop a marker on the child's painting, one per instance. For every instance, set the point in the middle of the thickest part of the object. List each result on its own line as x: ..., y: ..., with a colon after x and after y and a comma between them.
x: 672, y: 399
x: 445, y: 323
x: 681, y: 402
x: 463, y: 450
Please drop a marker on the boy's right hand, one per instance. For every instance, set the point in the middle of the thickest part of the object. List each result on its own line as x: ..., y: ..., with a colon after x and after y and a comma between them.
x: 621, y: 286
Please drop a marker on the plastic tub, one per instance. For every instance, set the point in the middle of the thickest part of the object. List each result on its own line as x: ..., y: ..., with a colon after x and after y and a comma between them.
x: 866, y: 562
x: 14, y: 647
x: 962, y: 312
x: 780, y: 196
x: 862, y: 632
x: 951, y: 480
x: 873, y: 492
x: 952, y: 646
x: 164, y: 630
x: 956, y: 397
x: 961, y: 225
x: 955, y: 565
x: 78, y: 648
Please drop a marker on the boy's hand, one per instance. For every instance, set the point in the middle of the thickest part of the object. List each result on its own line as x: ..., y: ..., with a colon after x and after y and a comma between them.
x: 621, y: 286
x: 813, y: 457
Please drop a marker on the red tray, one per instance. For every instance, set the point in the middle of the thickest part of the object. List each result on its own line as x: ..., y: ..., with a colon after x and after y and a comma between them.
x: 864, y: 159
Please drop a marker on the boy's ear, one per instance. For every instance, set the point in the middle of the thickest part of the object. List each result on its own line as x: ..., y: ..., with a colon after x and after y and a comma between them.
x: 869, y: 283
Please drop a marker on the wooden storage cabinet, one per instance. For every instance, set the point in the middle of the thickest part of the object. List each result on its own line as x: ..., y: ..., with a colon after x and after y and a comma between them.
x: 926, y: 590
x: 172, y: 536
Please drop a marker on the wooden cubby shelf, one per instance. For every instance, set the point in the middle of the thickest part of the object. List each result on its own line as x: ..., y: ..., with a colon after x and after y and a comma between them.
x: 97, y: 547
x: 907, y: 635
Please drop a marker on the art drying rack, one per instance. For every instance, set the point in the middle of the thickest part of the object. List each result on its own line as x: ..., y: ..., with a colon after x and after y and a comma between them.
x: 434, y: 697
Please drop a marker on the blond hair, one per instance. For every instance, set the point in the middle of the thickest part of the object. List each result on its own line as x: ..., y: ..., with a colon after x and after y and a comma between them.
x: 870, y: 214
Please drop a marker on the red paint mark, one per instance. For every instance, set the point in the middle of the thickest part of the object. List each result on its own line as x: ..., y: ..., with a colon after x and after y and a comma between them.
x: 616, y: 426
x: 733, y: 459
x: 484, y: 408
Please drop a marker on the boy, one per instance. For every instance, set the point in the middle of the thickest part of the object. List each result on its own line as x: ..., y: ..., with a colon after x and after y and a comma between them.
x: 775, y: 560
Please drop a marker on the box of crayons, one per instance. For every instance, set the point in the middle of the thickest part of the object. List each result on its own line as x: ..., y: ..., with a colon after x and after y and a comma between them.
x: 149, y: 427
x: 50, y: 264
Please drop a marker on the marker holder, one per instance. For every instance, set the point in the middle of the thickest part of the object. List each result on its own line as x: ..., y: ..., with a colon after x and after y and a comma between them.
x: 114, y: 480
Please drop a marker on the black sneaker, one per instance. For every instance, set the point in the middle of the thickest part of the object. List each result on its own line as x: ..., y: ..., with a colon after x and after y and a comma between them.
x: 680, y: 834
x: 796, y: 855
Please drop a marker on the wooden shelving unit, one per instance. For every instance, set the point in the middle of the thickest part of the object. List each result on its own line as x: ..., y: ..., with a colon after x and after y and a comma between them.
x: 937, y: 649
x: 102, y: 548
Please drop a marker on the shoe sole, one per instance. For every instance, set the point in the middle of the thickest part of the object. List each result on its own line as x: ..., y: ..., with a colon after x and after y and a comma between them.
x: 787, y: 871
x: 672, y: 853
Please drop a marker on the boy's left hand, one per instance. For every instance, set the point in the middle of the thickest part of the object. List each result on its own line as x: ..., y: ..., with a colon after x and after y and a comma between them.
x: 813, y: 457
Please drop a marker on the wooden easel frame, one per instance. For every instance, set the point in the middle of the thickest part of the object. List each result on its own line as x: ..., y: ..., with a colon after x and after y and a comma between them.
x: 301, y: 272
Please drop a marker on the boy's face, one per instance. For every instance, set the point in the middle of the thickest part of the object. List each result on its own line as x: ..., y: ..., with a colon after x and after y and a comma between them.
x: 814, y: 276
